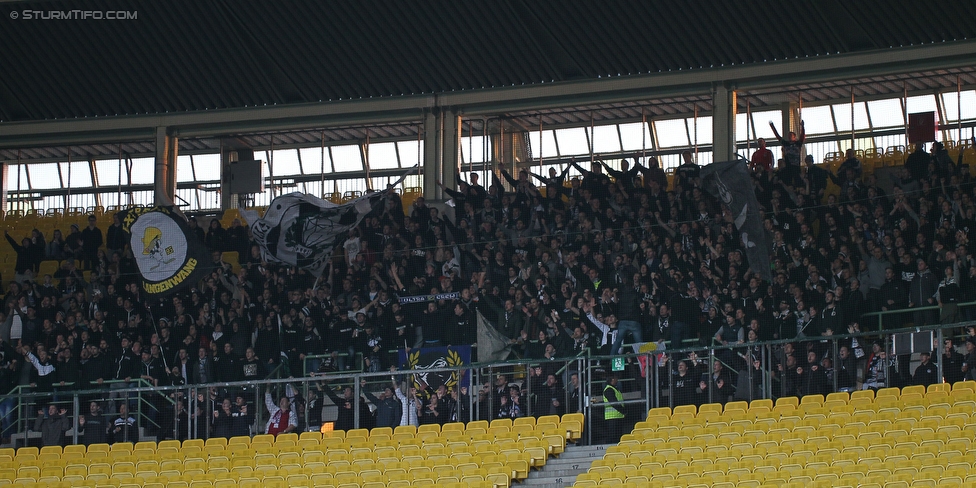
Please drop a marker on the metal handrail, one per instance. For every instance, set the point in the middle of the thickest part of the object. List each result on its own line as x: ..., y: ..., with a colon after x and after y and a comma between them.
x: 882, y: 314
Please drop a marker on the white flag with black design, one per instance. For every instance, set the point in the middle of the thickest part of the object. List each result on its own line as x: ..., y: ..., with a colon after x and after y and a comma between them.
x: 302, y: 230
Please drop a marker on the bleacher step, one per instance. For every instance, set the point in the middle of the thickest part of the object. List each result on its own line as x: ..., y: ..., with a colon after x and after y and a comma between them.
x: 562, y: 471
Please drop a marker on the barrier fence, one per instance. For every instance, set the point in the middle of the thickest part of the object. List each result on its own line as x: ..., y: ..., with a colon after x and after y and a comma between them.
x: 712, y: 373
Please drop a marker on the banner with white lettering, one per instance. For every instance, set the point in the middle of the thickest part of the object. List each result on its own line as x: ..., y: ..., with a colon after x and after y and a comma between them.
x: 429, y: 298
x: 167, y: 258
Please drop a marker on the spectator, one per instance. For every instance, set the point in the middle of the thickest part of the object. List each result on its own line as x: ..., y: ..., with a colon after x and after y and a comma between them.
x: 52, y: 426
x: 792, y: 147
x: 926, y: 373
x: 762, y: 159
x: 952, y: 362
x: 124, y: 427
x: 388, y: 409
x: 92, y: 428
x: 91, y: 239
x: 282, y: 418
x: 24, y: 266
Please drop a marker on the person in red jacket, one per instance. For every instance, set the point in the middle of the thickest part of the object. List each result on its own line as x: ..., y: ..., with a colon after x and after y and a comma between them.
x: 282, y: 417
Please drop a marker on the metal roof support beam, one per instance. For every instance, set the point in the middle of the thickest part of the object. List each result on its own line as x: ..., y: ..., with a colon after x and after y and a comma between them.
x: 723, y: 123
x: 164, y: 182
x: 754, y: 76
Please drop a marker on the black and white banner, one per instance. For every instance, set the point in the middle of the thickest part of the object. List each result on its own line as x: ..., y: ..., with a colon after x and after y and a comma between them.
x: 730, y: 182
x: 429, y: 298
x: 167, y: 259
x: 302, y: 230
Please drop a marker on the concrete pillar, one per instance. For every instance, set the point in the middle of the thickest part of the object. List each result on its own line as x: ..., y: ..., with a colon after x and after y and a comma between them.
x: 451, y: 151
x: 4, y: 185
x: 164, y: 182
x: 791, y: 118
x: 433, y: 124
x: 723, y: 123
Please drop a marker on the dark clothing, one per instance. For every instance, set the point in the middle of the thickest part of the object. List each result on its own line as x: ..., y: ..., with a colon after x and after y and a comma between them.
x: 345, y: 415
x: 52, y: 429
x: 223, y: 424
x: 952, y: 366
x: 388, y: 410
x: 926, y: 374
x: 94, y: 431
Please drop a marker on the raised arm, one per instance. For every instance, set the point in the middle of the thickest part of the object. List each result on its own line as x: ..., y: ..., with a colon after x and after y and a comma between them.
x: 509, y: 179
x: 775, y: 132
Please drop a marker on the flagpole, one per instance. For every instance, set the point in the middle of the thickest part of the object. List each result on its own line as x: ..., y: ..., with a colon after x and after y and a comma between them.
x: 315, y: 286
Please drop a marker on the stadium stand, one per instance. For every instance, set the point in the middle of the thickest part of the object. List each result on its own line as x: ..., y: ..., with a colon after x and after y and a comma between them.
x: 911, y: 437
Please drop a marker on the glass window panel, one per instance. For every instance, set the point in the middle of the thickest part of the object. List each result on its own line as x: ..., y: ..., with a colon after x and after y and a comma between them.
x: 671, y: 133
x: 347, y: 158
x: 468, y: 145
x: 842, y: 114
x: 761, y: 120
x: 143, y: 171
x: 312, y: 160
x: 83, y: 200
x: 741, y: 124
x: 108, y: 172
x: 572, y: 141
x: 207, y: 166
x: 704, y: 157
x: 109, y: 199
x: 636, y: 137
x: 19, y: 178
x: 951, y: 104
x: 884, y: 113
x: 187, y: 196
x: 410, y: 155
x: 546, y: 147
x: 817, y: 120
x: 79, y: 175
x: 43, y: 176
x: 704, y: 130
x: 184, y: 170
x: 357, y: 184
x: 921, y: 103
x: 606, y: 139
x: 286, y: 163
x: 383, y: 156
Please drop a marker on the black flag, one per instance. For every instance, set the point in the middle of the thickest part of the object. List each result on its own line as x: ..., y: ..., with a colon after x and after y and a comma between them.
x: 730, y: 183
x: 168, y: 260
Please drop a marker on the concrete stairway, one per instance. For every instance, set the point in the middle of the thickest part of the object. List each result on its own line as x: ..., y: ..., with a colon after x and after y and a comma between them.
x: 562, y: 471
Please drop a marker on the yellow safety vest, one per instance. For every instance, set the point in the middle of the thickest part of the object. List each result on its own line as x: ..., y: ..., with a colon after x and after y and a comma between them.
x: 611, y: 412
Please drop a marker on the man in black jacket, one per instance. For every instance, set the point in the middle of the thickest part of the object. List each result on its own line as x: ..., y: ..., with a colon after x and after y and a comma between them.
x: 92, y: 428
x: 388, y: 408
x: 926, y: 373
x: 91, y: 240
x: 628, y: 317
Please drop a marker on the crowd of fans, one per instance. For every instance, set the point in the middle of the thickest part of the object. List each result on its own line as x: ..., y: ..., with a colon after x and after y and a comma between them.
x: 559, y: 265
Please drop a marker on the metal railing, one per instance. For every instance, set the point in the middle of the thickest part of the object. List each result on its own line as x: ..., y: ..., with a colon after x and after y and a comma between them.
x: 647, y: 380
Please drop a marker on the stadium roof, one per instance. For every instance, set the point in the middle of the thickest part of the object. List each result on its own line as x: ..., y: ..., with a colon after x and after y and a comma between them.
x: 193, y: 55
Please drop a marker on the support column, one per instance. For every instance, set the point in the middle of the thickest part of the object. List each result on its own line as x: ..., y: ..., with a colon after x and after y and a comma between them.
x: 790, y: 122
x: 433, y: 124
x: 164, y: 183
x: 4, y: 185
x: 451, y: 159
x: 723, y: 123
